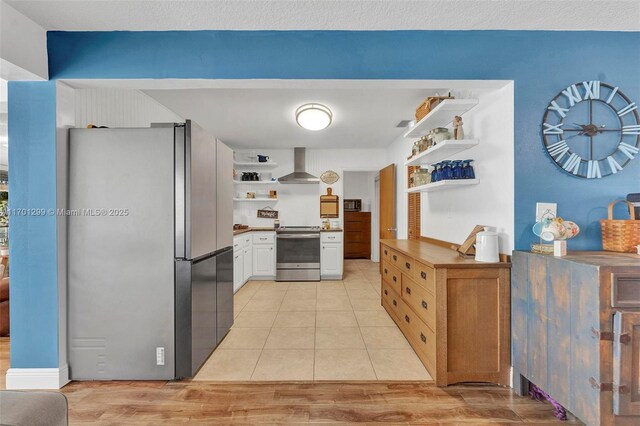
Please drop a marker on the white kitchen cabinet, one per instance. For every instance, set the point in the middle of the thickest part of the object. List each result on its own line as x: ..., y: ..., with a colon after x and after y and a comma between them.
x: 331, y: 256
x: 238, y: 270
x: 264, y: 261
x: 247, y: 269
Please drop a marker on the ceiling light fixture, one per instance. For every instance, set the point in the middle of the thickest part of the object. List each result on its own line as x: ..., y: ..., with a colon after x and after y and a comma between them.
x: 313, y: 116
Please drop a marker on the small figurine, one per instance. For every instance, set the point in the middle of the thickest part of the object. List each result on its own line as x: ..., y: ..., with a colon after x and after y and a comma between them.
x: 458, y: 131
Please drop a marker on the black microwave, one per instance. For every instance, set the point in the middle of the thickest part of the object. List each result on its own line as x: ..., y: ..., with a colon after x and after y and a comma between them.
x: 352, y: 205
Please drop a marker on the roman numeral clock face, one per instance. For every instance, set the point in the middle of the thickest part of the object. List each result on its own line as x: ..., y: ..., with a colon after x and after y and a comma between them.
x: 591, y: 130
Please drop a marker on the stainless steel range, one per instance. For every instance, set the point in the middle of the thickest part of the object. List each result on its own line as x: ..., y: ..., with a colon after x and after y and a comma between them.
x: 298, y: 253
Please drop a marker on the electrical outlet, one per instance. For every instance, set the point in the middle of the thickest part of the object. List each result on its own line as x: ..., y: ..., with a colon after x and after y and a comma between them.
x: 160, y: 356
x: 542, y: 208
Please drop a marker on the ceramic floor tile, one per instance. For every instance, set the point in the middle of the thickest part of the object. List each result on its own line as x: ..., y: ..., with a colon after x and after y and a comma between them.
x: 303, y: 285
x: 229, y: 364
x: 284, y: 364
x: 336, y: 319
x: 384, y: 338
x: 255, y: 319
x: 359, y: 288
x: 334, y: 303
x: 291, y: 338
x: 398, y: 364
x: 260, y: 304
x: 371, y: 303
x: 295, y: 319
x: 346, y: 364
x: 339, y: 338
x: 293, y: 304
x: 245, y: 338
x: 374, y: 318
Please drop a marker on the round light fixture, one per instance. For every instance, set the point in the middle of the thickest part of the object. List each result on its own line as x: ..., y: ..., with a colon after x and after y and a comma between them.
x: 313, y: 116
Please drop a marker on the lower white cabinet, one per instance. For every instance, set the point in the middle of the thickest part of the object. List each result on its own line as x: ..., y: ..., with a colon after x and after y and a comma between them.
x: 238, y: 270
x: 247, y: 264
x: 264, y: 260
x: 331, y: 255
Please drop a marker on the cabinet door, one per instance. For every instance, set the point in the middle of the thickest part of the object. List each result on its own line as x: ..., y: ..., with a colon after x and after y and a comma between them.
x: 238, y: 270
x: 248, y: 264
x: 331, y: 259
x: 626, y: 353
x: 264, y: 262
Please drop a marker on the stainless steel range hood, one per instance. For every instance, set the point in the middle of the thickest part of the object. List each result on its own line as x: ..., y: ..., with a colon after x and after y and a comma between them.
x: 299, y: 174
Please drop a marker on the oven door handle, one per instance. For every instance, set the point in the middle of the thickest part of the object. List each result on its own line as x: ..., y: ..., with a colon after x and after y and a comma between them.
x: 299, y: 236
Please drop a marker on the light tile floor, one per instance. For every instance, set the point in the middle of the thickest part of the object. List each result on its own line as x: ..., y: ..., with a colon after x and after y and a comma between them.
x: 331, y: 330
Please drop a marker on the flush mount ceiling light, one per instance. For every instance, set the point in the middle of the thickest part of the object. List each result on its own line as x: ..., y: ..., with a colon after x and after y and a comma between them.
x: 313, y: 116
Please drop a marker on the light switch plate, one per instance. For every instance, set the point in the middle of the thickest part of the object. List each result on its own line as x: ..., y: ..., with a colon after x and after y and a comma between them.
x: 159, y: 356
x: 541, y: 208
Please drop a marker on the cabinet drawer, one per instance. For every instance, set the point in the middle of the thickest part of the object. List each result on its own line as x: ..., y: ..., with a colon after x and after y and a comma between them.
x: 396, y: 259
x: 391, y: 298
x: 425, y: 276
x: 238, y: 243
x: 420, y: 335
x: 392, y: 276
x: 331, y: 237
x: 264, y: 238
x: 385, y: 254
x: 420, y: 300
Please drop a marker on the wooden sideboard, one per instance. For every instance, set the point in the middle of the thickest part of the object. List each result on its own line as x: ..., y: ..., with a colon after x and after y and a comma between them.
x: 453, y: 311
x: 576, y: 332
x: 357, y: 235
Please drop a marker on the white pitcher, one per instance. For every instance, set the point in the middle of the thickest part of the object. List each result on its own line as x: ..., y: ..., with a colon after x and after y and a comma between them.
x: 487, y: 246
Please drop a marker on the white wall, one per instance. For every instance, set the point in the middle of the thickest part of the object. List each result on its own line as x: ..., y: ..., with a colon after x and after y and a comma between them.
x: 359, y: 185
x: 120, y: 108
x: 23, y: 47
x: 300, y: 204
x: 451, y: 215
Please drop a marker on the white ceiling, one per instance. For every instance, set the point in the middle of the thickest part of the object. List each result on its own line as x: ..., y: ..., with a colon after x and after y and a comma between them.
x: 261, y: 118
x: 100, y: 15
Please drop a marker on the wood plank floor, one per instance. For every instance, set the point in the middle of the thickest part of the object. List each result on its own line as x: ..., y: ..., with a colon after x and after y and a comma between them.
x: 389, y: 403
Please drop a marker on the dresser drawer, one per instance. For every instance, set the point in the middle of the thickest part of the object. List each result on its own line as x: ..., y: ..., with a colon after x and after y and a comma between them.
x: 425, y: 276
x: 385, y: 254
x: 391, y: 275
x: 420, y: 300
x: 397, y: 259
x: 390, y: 298
x: 420, y: 335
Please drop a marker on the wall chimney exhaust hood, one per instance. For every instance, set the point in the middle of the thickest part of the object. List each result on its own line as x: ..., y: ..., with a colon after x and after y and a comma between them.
x: 299, y: 174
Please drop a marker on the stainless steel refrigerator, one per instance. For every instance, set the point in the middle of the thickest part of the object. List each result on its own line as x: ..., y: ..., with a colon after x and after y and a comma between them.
x: 149, y: 249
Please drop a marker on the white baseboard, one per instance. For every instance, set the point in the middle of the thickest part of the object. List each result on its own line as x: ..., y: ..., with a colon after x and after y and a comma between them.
x: 37, y: 378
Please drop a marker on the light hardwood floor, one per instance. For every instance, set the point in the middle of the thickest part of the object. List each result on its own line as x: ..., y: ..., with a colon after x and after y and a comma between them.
x: 331, y: 330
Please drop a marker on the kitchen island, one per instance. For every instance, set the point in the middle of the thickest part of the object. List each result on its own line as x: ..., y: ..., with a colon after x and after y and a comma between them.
x: 454, y: 311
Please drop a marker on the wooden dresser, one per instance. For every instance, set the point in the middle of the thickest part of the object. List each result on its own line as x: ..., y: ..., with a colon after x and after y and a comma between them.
x: 576, y: 332
x: 357, y: 235
x: 453, y: 311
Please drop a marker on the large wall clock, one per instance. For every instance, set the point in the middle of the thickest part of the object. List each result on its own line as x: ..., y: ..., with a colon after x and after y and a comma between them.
x: 591, y: 130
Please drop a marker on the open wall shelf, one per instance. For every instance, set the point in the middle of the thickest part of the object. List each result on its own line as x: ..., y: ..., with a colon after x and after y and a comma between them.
x: 266, y: 164
x: 440, y: 116
x: 443, y: 150
x: 256, y: 182
x: 443, y: 184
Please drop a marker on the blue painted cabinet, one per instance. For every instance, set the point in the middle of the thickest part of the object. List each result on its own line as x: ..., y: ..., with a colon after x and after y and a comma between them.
x: 563, y: 337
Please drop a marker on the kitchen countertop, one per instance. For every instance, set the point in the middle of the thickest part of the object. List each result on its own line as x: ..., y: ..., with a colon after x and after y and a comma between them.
x: 258, y: 229
x: 331, y: 230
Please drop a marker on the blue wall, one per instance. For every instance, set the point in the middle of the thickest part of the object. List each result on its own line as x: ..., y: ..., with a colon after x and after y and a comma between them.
x: 33, y: 249
x: 540, y: 62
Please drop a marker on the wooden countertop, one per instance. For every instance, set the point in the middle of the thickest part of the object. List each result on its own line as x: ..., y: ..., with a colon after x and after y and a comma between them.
x: 598, y: 258
x: 244, y: 231
x: 437, y: 256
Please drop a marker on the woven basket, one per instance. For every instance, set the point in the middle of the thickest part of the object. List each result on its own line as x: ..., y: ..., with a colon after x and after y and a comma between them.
x: 620, y: 235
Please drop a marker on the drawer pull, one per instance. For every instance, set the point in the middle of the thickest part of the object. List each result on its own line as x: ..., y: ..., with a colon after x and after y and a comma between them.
x: 385, y: 271
x: 423, y: 275
x: 395, y: 279
x: 424, y: 304
x: 423, y: 338
x: 386, y: 252
x: 408, y: 290
x: 386, y: 292
x: 395, y: 303
x: 407, y: 319
x: 395, y: 257
x: 407, y: 265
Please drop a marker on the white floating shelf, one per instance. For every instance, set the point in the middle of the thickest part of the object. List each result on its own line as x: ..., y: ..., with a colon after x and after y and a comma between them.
x: 256, y: 182
x: 255, y: 164
x: 440, y: 116
x: 441, y: 151
x: 255, y: 200
x: 444, y: 184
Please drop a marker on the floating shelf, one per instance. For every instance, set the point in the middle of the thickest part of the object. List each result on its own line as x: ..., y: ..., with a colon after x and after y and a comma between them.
x: 444, y: 184
x: 255, y: 200
x: 256, y: 182
x: 440, y: 116
x: 441, y: 151
x: 256, y: 163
